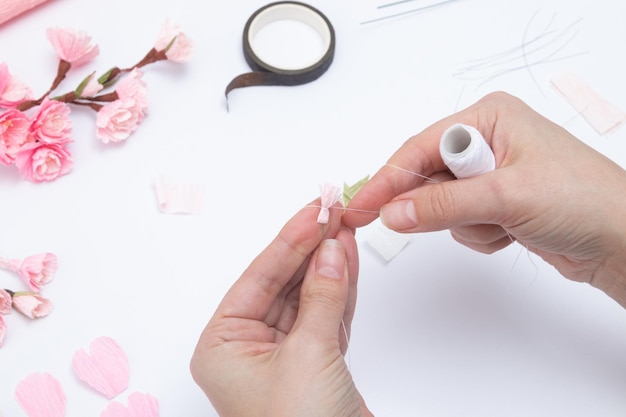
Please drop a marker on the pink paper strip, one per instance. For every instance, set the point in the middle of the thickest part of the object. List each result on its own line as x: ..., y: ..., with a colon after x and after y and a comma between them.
x: 603, y: 116
x: 12, y: 8
x: 41, y: 395
x: 179, y: 198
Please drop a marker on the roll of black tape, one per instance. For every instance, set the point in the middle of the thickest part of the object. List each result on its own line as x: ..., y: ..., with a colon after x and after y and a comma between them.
x: 266, y: 74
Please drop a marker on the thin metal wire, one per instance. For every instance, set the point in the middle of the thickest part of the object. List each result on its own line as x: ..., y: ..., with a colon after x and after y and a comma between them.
x: 419, y: 9
x: 395, y: 3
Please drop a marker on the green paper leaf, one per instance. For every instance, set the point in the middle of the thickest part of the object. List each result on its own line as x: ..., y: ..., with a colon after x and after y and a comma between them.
x: 349, y: 191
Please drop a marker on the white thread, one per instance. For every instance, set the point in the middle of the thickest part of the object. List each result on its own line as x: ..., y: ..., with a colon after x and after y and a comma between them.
x: 412, y: 173
x: 465, y: 152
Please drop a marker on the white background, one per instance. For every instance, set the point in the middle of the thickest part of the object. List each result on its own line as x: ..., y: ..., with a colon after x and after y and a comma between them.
x: 439, y: 330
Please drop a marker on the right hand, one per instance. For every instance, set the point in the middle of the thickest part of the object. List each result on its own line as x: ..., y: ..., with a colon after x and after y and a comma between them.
x: 555, y: 195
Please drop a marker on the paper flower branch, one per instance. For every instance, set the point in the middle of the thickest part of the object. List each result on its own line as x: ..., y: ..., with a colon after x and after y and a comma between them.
x: 35, y: 132
x: 36, y: 271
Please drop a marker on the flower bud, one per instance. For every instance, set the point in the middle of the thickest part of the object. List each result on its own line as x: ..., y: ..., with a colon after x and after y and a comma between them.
x: 31, y: 304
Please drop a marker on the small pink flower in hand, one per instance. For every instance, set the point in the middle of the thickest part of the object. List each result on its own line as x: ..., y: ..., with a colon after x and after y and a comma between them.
x: 52, y: 124
x: 5, y: 302
x: 3, y: 330
x: 72, y: 46
x: 177, y: 45
x: 38, y: 162
x: 37, y: 270
x: 14, y: 126
x: 31, y: 304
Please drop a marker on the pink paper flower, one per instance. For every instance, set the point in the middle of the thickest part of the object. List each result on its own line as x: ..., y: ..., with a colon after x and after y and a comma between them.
x: 177, y: 45
x: 31, y: 304
x: 38, y: 162
x: 329, y: 195
x: 52, y: 124
x: 12, y: 90
x: 117, y: 120
x: 14, y: 126
x: 37, y: 270
x: 3, y: 330
x: 5, y: 302
x: 134, y: 87
x: 72, y: 46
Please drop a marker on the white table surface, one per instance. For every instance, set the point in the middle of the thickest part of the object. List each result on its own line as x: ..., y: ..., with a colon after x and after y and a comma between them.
x: 439, y: 331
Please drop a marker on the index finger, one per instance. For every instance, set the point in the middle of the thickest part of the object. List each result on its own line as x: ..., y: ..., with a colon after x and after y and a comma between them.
x: 254, y: 292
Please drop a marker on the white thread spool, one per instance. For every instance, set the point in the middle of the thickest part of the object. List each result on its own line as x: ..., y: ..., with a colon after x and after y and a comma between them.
x: 465, y: 152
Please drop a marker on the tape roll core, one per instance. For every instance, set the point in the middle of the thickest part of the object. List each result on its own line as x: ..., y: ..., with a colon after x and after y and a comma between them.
x: 266, y: 74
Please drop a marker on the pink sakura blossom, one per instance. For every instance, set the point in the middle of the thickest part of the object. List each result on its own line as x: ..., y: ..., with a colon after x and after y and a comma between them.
x: 116, y: 121
x: 134, y: 87
x: 72, y: 46
x: 31, y: 304
x: 3, y: 330
x: 5, y: 302
x: 12, y: 90
x: 52, y: 124
x: 37, y: 270
x: 38, y: 162
x: 14, y: 126
x: 177, y: 45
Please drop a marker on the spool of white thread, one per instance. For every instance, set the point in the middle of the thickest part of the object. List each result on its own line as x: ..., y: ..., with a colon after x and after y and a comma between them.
x: 465, y: 152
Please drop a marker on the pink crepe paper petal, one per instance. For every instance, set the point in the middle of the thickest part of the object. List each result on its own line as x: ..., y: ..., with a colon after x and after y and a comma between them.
x: 41, y: 395
x: 329, y: 194
x: 179, y: 198
x: 106, y: 369
x: 139, y: 405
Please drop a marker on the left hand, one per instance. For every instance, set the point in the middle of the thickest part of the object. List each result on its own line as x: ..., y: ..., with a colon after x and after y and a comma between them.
x: 275, y: 344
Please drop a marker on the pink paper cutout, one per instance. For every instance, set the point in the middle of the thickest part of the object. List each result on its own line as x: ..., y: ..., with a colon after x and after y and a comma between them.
x: 603, y: 116
x: 106, y: 369
x: 13, y: 8
x: 139, y: 405
x: 41, y: 395
x: 179, y: 198
x: 329, y: 194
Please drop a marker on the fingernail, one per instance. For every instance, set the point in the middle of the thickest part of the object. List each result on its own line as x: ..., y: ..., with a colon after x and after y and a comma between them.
x: 331, y: 259
x: 399, y: 215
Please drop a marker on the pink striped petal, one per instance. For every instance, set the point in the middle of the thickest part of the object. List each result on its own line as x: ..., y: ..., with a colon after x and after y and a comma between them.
x: 41, y: 395
x: 139, y: 405
x: 106, y: 369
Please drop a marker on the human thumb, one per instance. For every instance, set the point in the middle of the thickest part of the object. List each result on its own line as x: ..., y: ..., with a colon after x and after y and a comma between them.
x: 324, y: 292
x: 443, y: 205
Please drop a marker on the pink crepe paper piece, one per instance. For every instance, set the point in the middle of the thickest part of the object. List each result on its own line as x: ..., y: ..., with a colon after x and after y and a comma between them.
x: 139, y: 405
x: 329, y: 194
x: 179, y: 198
x: 12, y: 8
x: 603, y: 116
x: 106, y: 369
x: 41, y: 395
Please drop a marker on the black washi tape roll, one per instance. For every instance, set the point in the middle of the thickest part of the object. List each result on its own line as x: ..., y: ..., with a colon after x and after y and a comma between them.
x: 266, y: 74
